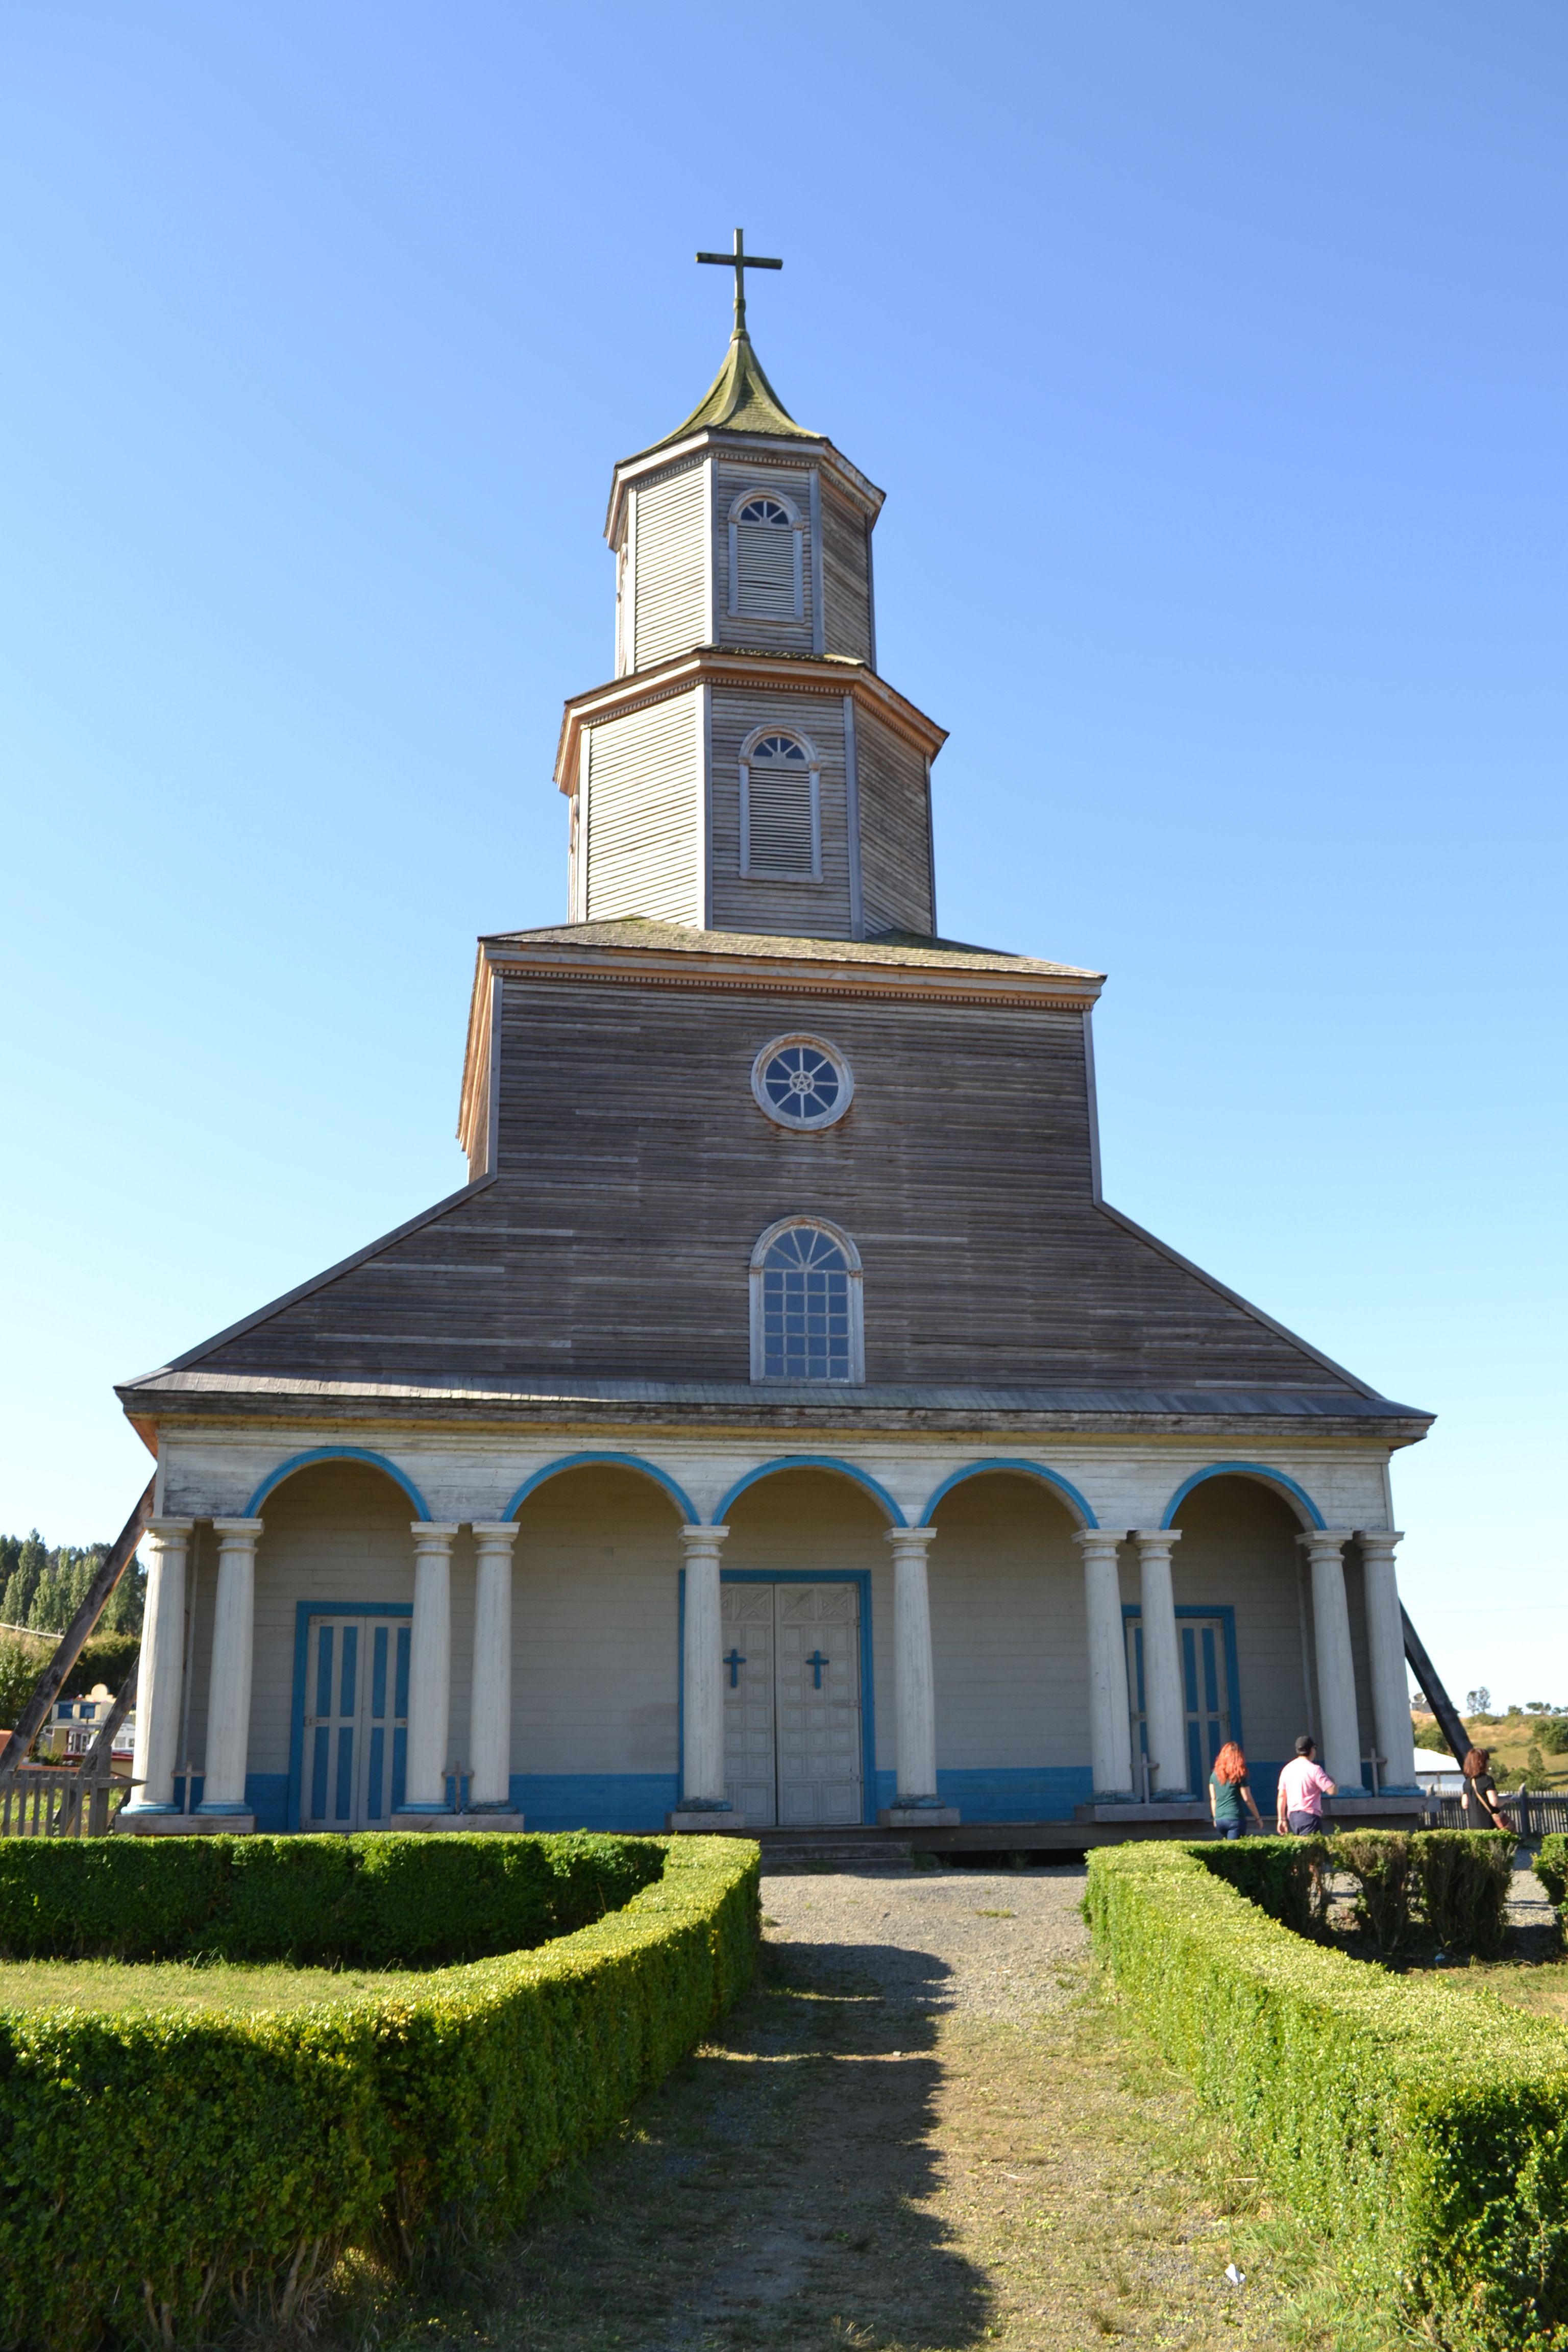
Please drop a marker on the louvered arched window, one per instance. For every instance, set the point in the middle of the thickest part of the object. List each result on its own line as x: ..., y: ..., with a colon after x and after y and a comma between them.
x: 767, y: 558
x: 780, y: 807
x: 807, y: 1321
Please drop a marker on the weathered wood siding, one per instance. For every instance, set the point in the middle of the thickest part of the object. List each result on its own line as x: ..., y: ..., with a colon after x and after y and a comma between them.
x: 846, y: 579
x: 670, y: 570
x: 763, y: 628
x: 895, y: 830
x: 742, y: 903
x: 644, y: 849
x: 637, y: 1173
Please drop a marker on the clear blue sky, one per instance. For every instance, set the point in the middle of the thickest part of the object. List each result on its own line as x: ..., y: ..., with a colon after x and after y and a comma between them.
x: 1214, y: 358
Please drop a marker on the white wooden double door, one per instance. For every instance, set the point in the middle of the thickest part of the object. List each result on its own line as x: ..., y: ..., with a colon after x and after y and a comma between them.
x: 792, y: 1703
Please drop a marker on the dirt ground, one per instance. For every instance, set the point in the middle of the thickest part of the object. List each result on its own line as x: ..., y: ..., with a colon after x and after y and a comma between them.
x: 925, y: 2131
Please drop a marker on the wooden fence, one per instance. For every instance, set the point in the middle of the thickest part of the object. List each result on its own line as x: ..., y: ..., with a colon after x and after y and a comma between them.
x: 59, y: 1801
x: 1533, y: 1812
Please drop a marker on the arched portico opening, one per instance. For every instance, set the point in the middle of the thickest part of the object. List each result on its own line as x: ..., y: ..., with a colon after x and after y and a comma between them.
x: 1277, y: 1482
x: 320, y: 1454
x: 1244, y: 1615
x: 333, y: 1610
x: 1052, y: 1480
x: 595, y: 1587
x: 1009, y: 1642
x: 669, y: 1486
x: 831, y: 1464
x: 806, y: 1622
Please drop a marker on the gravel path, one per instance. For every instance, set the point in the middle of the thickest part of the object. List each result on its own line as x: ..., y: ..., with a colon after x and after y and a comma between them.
x: 991, y: 1942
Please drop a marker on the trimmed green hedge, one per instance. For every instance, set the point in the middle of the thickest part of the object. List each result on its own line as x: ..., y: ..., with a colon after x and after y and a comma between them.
x: 1551, y: 1869
x: 156, y: 2171
x: 375, y: 1901
x: 1451, y: 1885
x: 1421, y: 2124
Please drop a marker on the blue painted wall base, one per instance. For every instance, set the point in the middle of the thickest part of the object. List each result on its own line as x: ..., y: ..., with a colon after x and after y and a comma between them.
x: 639, y: 1800
x: 594, y: 1800
x: 267, y: 1794
x: 1047, y: 1792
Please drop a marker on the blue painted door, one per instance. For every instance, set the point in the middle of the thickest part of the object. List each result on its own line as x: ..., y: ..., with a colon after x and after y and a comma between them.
x: 356, y: 1722
x: 1205, y: 1693
x: 1205, y: 1689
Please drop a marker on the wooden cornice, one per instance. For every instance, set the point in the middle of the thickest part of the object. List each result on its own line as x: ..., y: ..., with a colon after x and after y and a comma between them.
x: 752, y: 973
x: 807, y: 674
x: 763, y: 449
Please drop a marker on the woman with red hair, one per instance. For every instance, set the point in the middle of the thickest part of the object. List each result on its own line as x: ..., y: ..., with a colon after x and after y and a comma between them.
x: 1227, y: 1788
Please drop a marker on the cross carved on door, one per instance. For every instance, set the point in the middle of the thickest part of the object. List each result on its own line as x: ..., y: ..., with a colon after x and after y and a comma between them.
x: 734, y: 1661
x: 817, y: 1662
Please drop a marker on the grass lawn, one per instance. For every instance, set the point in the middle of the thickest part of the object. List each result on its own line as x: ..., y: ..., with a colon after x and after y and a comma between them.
x: 126, y: 1988
x: 1542, y: 1988
x: 1509, y: 1740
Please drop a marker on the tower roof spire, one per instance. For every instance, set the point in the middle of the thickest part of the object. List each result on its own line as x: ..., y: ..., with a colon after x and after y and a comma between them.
x: 740, y: 398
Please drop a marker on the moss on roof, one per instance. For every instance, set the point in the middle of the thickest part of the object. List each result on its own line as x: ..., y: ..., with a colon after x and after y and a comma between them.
x: 889, y: 948
x: 740, y: 399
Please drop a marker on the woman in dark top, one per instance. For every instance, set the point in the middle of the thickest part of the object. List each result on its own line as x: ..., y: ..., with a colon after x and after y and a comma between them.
x: 1227, y: 1789
x: 1483, y: 1809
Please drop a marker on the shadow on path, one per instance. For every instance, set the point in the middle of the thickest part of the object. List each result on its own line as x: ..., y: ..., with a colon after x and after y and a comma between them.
x: 762, y: 2197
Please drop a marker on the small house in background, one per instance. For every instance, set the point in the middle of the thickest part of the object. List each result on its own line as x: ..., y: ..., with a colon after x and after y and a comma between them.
x: 73, y: 1725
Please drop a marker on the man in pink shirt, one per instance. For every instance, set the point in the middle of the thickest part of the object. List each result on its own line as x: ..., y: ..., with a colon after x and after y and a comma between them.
x: 1303, y: 1785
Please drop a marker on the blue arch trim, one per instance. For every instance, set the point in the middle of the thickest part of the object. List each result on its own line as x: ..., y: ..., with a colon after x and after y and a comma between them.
x: 335, y: 1454
x: 678, y: 1494
x: 813, y: 1462
x: 1052, y: 1478
x: 1244, y: 1470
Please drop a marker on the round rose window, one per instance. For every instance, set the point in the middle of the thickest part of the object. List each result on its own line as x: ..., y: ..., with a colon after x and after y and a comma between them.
x: 801, y: 1082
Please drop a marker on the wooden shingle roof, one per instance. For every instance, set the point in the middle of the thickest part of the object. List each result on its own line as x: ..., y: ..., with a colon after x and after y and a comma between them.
x: 739, y: 399
x: 888, y: 949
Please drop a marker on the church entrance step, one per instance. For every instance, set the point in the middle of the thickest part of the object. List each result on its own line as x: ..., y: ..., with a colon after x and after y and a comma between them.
x: 842, y: 1849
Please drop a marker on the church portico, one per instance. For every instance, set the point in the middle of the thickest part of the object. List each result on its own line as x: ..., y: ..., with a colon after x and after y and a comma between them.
x: 1111, y: 1478
x: 744, y: 1443
x: 563, y: 1660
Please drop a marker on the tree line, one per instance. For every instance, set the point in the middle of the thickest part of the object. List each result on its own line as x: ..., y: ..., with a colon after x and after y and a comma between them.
x: 42, y: 1587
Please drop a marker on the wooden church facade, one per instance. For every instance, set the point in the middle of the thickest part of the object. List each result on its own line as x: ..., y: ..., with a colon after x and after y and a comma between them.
x: 779, y: 1427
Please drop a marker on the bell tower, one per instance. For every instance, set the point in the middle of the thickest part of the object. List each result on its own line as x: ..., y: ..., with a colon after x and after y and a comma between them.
x: 747, y: 769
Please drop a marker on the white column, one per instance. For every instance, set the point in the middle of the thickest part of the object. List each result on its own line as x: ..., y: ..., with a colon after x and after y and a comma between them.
x: 429, y: 1670
x: 1386, y: 1653
x: 702, y: 1680
x: 490, y: 1717
x: 1340, y: 1743
x: 1164, y: 1708
x: 229, y: 1684
x: 914, y: 1681
x: 158, y: 1684
x: 1110, y: 1717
